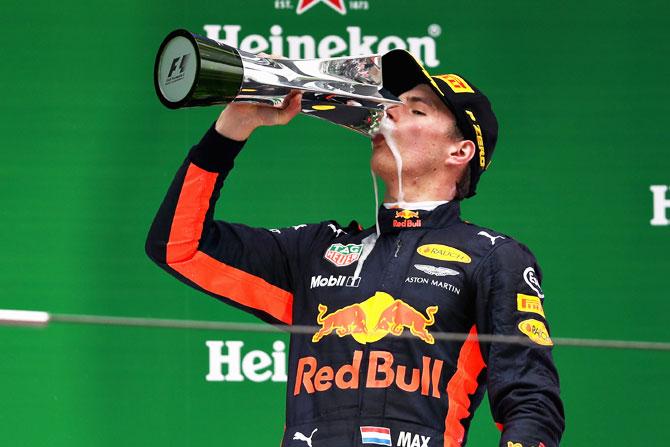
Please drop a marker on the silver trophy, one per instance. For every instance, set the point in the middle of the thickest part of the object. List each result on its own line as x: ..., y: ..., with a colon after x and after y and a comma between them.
x: 192, y: 70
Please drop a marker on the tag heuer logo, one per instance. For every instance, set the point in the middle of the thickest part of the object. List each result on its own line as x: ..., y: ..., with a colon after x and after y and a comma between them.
x: 343, y: 255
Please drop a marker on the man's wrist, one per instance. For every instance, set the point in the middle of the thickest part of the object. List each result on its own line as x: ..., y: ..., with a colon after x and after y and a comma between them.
x: 233, y: 129
x: 215, y: 152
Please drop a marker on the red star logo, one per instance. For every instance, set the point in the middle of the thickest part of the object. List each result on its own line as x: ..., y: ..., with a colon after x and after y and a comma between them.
x: 337, y: 5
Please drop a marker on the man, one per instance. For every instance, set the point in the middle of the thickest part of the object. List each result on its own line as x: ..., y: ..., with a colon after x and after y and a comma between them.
x: 373, y: 372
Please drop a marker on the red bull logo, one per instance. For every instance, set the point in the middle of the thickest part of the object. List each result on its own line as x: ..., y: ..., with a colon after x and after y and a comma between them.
x: 401, y: 315
x: 346, y: 321
x: 405, y: 215
x: 375, y: 318
x: 382, y: 372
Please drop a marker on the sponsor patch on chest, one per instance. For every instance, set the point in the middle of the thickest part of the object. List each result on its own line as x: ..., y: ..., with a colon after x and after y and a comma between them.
x: 443, y: 253
x: 334, y: 281
x: 434, y: 283
x: 343, y: 255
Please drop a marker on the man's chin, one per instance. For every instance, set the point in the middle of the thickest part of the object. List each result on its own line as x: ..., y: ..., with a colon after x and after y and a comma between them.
x: 382, y: 166
x: 378, y: 139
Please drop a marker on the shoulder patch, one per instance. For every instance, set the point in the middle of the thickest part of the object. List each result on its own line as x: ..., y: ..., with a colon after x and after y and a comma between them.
x: 338, y: 231
x: 536, y: 331
x: 489, y: 236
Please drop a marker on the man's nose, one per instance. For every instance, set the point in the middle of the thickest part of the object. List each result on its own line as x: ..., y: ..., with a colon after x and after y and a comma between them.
x: 393, y: 113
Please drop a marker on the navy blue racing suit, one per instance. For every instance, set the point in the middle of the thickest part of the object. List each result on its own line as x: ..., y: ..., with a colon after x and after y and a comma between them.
x: 373, y: 373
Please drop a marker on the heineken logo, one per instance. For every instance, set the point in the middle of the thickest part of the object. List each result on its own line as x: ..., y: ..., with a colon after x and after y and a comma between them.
x: 337, y: 5
x: 351, y: 42
x: 343, y: 255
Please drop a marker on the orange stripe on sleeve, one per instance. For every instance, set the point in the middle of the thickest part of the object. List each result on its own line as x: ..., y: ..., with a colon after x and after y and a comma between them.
x: 460, y: 387
x: 238, y: 285
x: 189, y: 215
x: 212, y: 275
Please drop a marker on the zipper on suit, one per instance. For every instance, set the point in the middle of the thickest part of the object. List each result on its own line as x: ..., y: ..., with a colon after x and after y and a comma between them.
x: 388, y: 272
x: 397, y: 247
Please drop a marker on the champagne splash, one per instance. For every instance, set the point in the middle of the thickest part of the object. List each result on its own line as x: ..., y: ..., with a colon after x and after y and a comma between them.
x: 386, y: 129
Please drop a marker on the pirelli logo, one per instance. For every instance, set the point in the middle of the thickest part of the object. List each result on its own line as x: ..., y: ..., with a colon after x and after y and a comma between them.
x: 456, y: 83
x: 529, y: 303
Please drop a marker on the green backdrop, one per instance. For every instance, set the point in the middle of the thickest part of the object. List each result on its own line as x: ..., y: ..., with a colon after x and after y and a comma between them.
x: 580, y: 88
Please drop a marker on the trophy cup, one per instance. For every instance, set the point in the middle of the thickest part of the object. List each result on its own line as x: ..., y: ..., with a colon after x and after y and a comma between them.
x: 192, y: 70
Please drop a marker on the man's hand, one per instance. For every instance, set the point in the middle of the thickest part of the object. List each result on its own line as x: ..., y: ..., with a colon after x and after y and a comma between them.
x: 239, y: 120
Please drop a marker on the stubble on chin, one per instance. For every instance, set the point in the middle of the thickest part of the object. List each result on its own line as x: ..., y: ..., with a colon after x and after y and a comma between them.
x: 381, y: 160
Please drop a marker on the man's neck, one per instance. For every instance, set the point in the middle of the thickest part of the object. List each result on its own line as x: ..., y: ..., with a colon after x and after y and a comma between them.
x: 413, y: 194
x: 420, y: 189
x: 426, y: 205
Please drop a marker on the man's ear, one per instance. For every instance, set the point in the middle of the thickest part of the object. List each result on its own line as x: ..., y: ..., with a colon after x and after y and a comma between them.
x: 460, y: 153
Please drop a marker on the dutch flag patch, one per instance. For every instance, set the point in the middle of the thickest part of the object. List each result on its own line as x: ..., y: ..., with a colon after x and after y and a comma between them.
x: 376, y: 435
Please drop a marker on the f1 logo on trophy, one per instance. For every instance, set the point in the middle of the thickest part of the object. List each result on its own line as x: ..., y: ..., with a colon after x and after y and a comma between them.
x: 192, y: 70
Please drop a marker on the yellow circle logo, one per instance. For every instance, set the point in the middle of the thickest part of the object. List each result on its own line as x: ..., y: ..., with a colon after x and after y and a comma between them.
x: 443, y: 253
x: 536, y: 331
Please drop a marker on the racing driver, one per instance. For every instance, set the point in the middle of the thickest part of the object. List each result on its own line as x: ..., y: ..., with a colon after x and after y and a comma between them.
x: 374, y: 372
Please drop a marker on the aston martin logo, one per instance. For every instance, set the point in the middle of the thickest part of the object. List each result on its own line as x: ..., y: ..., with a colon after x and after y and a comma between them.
x: 435, y: 271
x: 337, y: 5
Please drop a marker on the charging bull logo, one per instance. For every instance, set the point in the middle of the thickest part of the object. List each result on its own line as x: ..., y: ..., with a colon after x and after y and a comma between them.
x: 401, y: 315
x: 407, y: 219
x: 374, y: 318
x: 406, y: 214
x: 346, y: 321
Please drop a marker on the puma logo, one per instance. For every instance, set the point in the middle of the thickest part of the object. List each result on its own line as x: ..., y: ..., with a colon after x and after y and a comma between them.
x: 493, y: 238
x: 336, y: 230
x: 300, y: 437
